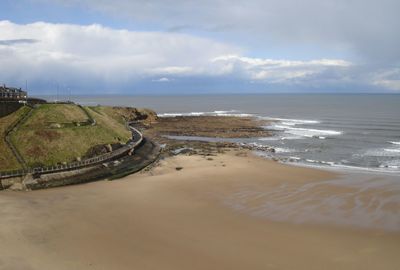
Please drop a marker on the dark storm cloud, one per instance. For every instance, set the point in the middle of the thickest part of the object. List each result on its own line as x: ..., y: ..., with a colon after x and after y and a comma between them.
x: 366, y: 28
x: 10, y: 42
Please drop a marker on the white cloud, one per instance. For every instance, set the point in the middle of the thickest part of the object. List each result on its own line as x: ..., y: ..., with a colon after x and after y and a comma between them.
x: 388, y: 79
x: 94, y: 51
x: 163, y: 79
x: 174, y: 70
x: 277, y: 71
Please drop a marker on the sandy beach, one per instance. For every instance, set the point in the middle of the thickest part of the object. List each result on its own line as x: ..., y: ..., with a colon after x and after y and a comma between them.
x: 189, y: 212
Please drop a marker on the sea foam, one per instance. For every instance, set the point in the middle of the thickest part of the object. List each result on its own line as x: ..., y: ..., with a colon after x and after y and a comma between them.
x: 233, y: 113
x: 308, y: 132
x: 383, y: 152
x: 289, y: 121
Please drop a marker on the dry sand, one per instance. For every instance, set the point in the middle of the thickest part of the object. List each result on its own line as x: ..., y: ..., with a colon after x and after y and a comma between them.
x: 178, y: 219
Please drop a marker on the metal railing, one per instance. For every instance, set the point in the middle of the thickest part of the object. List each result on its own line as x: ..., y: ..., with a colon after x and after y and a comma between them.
x: 136, y: 140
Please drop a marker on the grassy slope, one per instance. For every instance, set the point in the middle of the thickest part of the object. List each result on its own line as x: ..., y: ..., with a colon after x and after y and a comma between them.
x: 109, y: 117
x: 51, y: 113
x: 7, y: 159
x: 114, y: 113
x: 42, y: 145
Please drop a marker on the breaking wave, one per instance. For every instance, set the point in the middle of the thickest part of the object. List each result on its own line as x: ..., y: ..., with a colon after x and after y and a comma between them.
x: 233, y: 113
x: 291, y: 122
x: 308, y: 132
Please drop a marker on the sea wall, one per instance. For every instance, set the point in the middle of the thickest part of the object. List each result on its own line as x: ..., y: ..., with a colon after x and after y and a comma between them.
x: 146, y: 154
x: 135, y: 155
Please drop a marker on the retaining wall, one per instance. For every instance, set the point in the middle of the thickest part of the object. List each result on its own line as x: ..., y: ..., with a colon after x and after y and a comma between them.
x: 146, y: 154
x: 8, y: 107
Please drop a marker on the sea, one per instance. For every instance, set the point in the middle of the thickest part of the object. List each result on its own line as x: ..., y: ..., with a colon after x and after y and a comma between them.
x: 353, y: 131
x: 356, y: 135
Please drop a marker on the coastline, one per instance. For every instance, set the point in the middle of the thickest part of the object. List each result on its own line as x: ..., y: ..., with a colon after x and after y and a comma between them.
x: 179, y: 215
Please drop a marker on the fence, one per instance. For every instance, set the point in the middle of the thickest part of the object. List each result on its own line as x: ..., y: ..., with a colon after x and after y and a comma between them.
x: 8, y: 140
x: 137, y: 139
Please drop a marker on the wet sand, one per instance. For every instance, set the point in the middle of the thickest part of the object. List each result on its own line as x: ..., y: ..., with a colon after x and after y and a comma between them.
x: 169, y: 218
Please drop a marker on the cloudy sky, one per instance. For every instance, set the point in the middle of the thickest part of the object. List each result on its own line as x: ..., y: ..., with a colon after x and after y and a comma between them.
x: 219, y: 46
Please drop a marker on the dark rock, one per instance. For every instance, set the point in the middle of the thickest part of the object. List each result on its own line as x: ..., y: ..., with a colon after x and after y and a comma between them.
x: 101, y: 149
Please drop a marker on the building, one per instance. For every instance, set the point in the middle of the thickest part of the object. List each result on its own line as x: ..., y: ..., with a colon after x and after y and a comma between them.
x: 11, y: 93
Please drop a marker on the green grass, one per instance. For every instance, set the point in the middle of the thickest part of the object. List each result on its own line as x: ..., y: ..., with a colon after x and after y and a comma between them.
x: 106, y: 116
x: 47, y: 114
x: 7, y: 159
x: 114, y: 113
x: 40, y: 144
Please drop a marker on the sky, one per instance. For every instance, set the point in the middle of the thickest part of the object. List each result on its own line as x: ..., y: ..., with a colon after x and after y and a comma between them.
x: 200, y: 47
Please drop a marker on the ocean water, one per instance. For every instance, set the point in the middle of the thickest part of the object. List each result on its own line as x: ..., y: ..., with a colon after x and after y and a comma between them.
x: 360, y: 131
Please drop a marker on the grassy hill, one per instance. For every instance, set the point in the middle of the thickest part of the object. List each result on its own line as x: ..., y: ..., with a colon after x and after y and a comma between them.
x: 7, y: 159
x: 57, y: 133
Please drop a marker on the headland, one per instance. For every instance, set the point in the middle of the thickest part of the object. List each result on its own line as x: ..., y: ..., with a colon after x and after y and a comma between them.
x: 61, y: 143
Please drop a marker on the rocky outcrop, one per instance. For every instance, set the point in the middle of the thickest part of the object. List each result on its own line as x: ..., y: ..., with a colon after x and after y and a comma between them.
x: 101, y: 149
x: 145, y: 116
x: 209, y: 126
